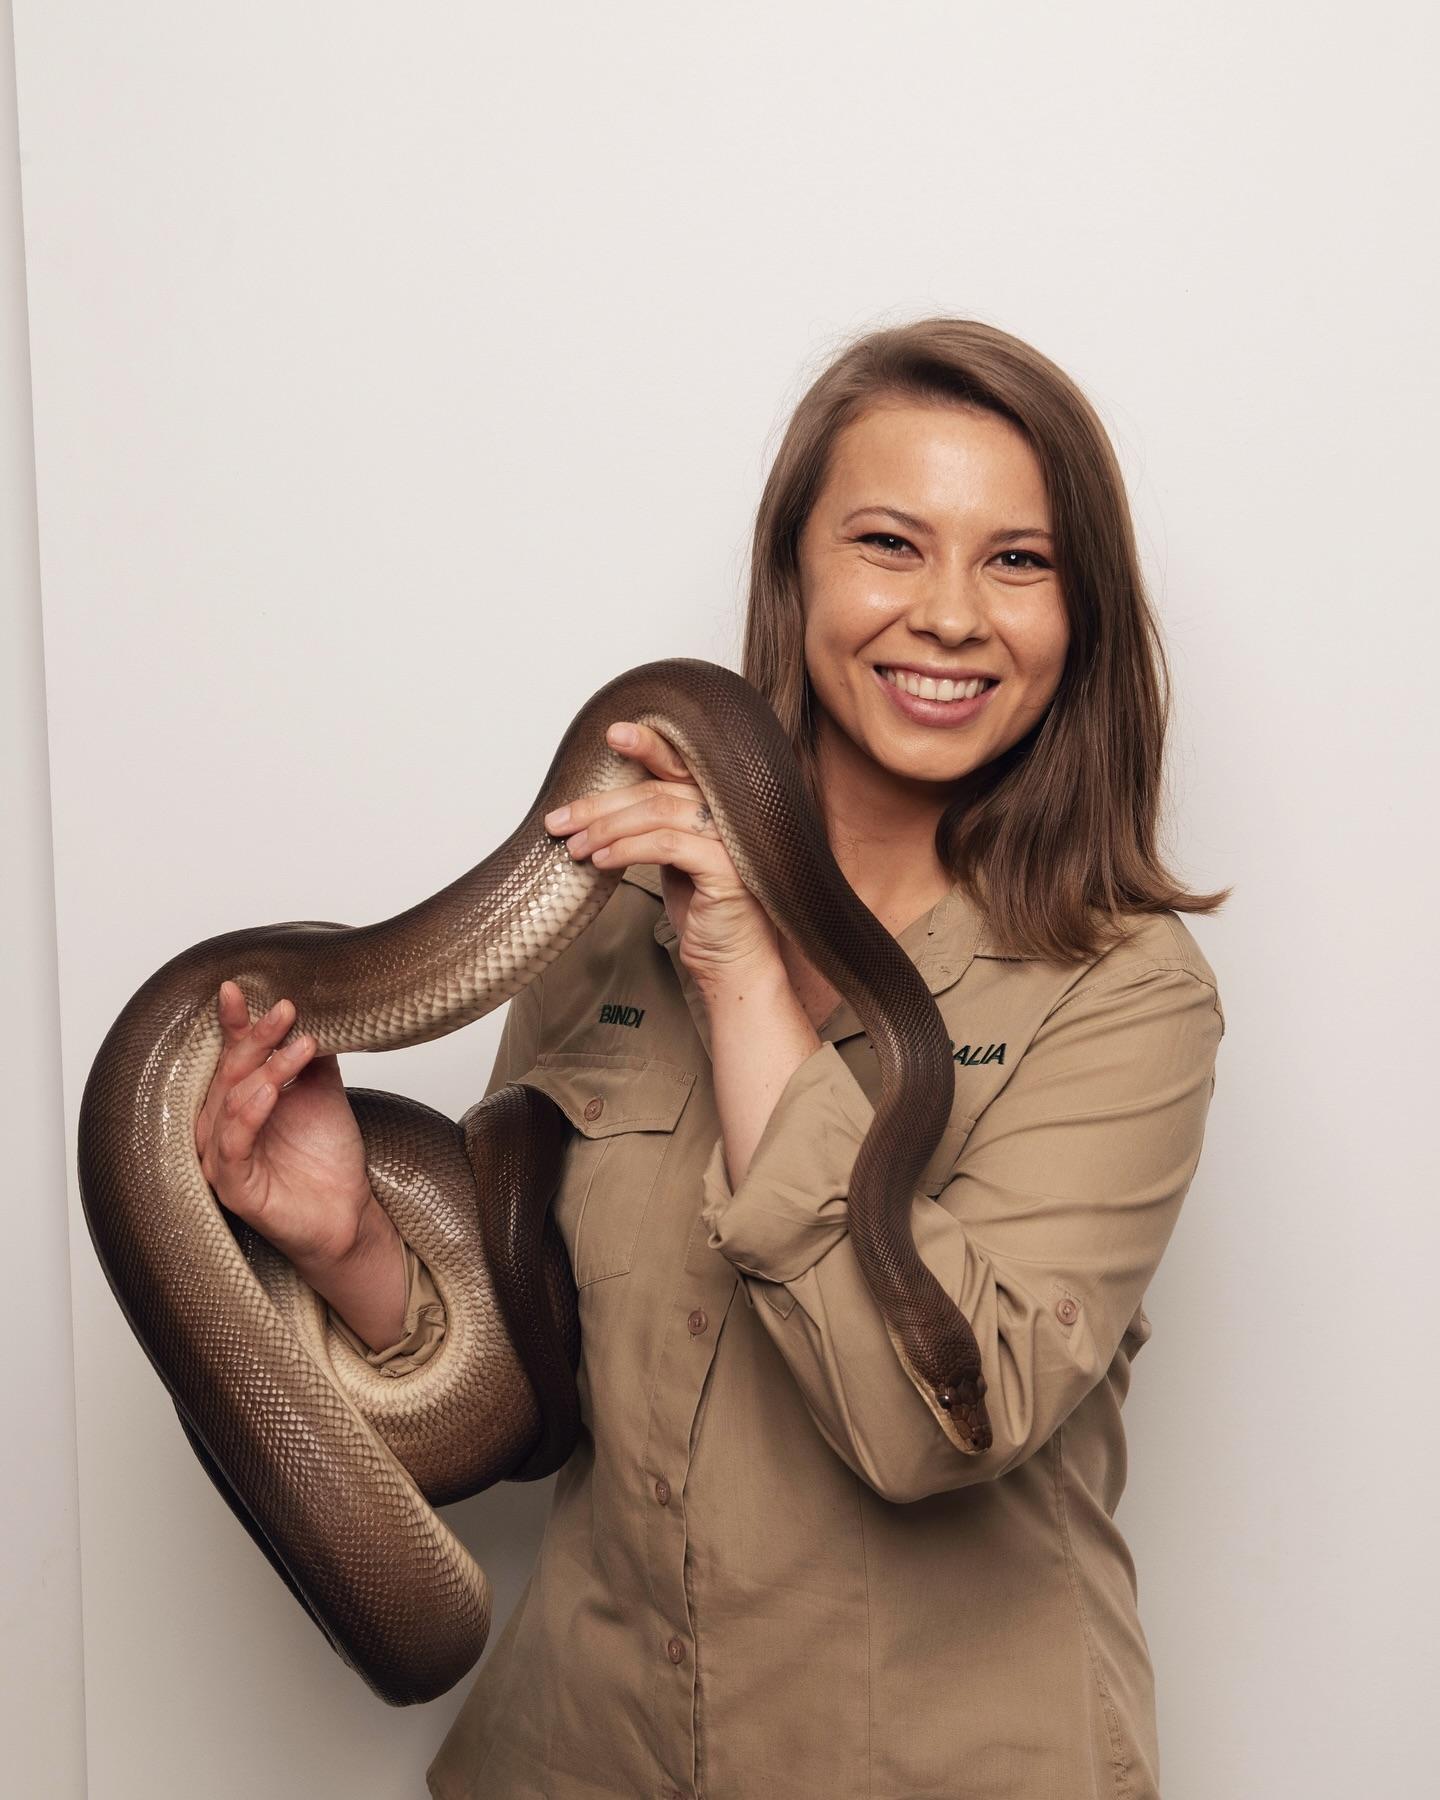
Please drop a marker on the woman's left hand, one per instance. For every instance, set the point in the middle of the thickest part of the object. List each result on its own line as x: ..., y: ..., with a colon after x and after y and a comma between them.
x: 724, y: 931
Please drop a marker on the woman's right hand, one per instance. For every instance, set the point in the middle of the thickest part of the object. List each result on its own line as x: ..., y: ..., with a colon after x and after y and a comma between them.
x: 277, y: 1139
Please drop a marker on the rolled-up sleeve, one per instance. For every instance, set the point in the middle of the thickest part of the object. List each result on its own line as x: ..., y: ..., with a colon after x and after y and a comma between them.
x: 1046, y: 1234
x: 424, y: 1325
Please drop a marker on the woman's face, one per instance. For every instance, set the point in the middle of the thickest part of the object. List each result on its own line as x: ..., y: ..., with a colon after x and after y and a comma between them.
x: 928, y: 554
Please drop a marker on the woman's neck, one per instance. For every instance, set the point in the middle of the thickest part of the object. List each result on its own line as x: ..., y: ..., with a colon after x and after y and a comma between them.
x: 882, y: 834
x: 884, y: 842
x: 895, y: 908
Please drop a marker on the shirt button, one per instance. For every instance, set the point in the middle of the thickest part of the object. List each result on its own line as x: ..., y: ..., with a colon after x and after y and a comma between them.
x: 1066, y: 1310
x: 675, y: 1650
x: 594, y: 1108
x: 697, y: 1321
x: 662, y: 1491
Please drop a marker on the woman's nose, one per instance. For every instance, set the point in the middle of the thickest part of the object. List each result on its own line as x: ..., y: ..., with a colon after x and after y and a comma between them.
x: 949, y: 604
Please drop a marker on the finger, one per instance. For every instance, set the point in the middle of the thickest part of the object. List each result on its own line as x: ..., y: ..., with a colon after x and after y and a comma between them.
x: 657, y: 753
x: 277, y: 1069
x: 240, y: 1054
x: 247, y: 1105
x: 612, y: 802
x: 289, y: 1062
x: 231, y: 1154
x: 233, y: 1011
x: 698, y: 857
x: 661, y: 809
x: 251, y: 1042
x: 230, y: 1146
x: 248, y: 1048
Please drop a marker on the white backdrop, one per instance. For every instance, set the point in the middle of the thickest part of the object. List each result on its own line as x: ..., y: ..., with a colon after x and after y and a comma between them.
x: 402, y: 374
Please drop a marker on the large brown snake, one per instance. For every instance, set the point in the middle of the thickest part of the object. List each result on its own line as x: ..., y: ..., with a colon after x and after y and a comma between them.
x: 333, y: 1469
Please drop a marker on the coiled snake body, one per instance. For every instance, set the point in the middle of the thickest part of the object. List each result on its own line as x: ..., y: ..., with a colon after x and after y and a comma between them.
x: 333, y: 1469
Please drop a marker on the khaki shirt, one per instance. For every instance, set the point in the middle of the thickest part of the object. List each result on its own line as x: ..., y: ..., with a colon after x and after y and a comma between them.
x: 765, y: 1569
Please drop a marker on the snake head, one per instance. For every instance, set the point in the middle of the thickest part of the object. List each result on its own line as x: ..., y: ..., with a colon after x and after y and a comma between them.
x: 956, y: 1397
x: 963, y: 1402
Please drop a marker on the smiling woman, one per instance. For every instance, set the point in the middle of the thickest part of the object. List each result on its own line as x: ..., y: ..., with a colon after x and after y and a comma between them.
x: 968, y: 600
x: 946, y: 504
x: 770, y: 1565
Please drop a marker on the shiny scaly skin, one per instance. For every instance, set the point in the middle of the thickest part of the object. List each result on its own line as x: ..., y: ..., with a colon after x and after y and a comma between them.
x: 335, y: 1470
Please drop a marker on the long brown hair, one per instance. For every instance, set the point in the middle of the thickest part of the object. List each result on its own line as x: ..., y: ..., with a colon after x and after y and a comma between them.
x: 1055, y: 839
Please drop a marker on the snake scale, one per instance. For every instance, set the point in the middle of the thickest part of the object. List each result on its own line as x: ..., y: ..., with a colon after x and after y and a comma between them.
x: 334, y: 1469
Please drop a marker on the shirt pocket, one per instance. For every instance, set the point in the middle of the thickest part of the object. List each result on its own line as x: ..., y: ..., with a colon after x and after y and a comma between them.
x: 625, y: 1110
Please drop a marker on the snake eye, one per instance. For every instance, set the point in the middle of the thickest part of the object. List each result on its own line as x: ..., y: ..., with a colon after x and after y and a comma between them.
x: 946, y: 1397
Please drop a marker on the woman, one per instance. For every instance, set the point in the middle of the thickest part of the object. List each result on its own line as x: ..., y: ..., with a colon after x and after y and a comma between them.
x: 767, y: 1570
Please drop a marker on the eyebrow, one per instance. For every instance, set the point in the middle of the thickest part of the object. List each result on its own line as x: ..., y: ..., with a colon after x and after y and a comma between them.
x: 912, y: 523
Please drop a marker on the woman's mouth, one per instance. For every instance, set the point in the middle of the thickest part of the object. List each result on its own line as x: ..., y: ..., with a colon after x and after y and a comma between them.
x: 926, y: 711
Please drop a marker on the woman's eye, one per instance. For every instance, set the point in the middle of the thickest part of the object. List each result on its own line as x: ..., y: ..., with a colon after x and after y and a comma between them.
x: 884, y: 540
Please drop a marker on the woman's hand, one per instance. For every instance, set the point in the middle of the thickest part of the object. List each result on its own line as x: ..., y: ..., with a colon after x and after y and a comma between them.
x: 277, y: 1139
x: 724, y: 932
x: 279, y: 1144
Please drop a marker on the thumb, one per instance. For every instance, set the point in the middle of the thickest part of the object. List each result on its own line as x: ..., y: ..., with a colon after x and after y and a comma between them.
x: 656, y: 753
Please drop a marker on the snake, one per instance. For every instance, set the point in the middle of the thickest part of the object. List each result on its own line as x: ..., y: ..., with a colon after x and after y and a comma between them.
x: 335, y: 1470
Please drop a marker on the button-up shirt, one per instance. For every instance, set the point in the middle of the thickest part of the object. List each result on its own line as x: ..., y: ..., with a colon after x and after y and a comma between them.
x: 766, y: 1570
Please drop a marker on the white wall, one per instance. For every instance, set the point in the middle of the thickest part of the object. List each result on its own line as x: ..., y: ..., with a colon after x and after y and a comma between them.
x: 42, y: 1689
x: 401, y: 375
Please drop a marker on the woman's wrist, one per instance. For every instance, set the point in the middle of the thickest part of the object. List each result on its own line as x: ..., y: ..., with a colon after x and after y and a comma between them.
x: 762, y: 975
x: 366, y: 1286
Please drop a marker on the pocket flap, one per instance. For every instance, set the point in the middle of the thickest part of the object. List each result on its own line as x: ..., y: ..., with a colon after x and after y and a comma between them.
x: 604, y: 1095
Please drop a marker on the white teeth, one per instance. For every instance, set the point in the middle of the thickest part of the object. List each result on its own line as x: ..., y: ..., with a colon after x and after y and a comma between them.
x: 924, y: 687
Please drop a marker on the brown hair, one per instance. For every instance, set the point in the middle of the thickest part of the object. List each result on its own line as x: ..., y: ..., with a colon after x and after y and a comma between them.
x: 1055, y: 839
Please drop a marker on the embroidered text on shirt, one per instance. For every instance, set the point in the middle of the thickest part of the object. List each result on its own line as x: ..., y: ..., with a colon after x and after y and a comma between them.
x: 972, y: 1055
x: 617, y: 1013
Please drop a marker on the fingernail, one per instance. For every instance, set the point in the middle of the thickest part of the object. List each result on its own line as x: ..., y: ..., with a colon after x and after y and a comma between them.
x: 622, y: 734
x: 558, y: 817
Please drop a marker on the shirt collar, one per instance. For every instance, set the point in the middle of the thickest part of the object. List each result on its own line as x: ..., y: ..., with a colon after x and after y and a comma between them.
x: 941, y: 943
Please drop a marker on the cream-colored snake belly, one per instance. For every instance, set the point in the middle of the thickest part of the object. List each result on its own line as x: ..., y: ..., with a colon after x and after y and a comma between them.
x: 334, y: 1469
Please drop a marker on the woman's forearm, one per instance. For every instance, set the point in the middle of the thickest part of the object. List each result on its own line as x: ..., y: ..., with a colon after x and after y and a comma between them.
x: 366, y: 1287
x: 759, y: 1035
